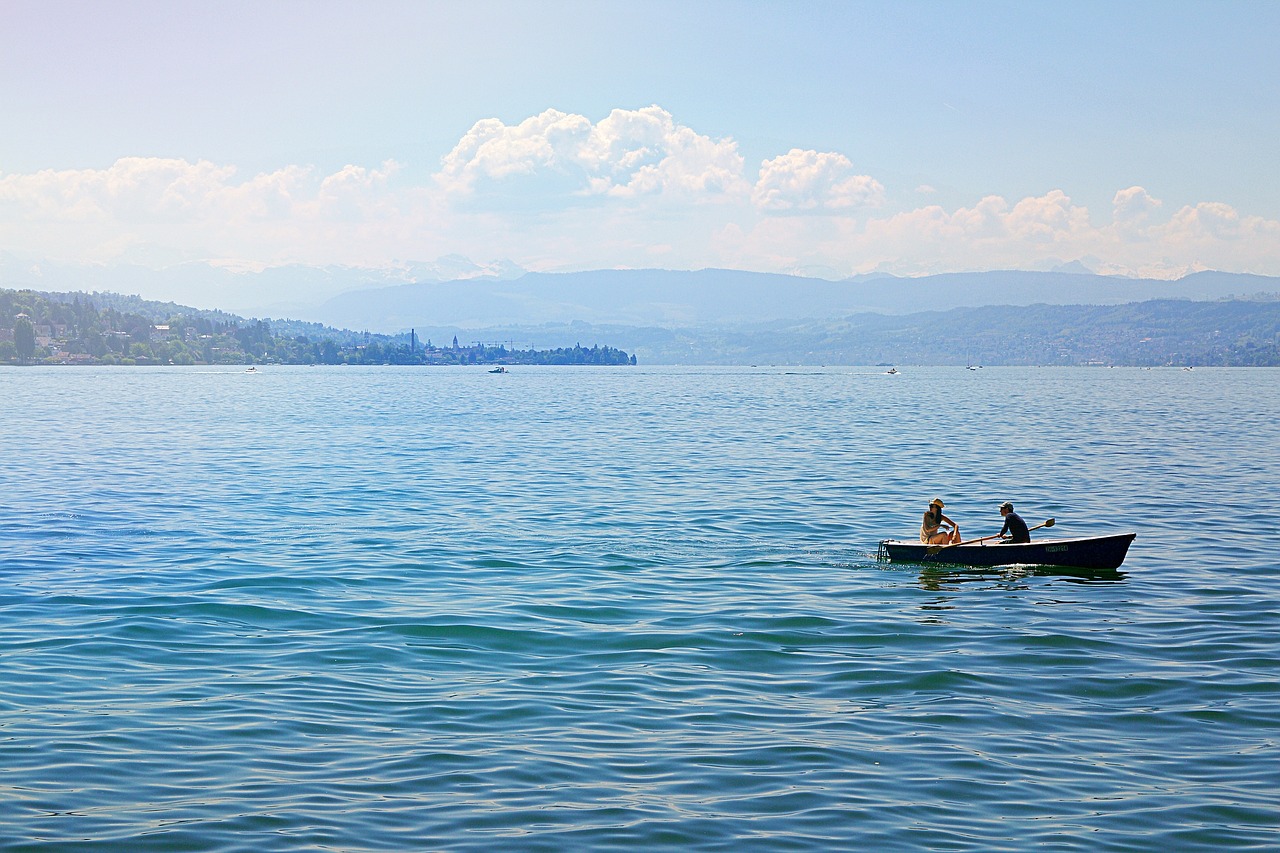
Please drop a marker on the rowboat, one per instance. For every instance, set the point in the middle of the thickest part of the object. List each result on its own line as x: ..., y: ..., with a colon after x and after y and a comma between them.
x: 1087, y: 552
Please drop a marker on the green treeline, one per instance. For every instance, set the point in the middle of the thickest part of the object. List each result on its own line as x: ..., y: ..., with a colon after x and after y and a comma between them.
x: 105, y: 328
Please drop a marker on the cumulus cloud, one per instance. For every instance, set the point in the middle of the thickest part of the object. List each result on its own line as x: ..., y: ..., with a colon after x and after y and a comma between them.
x: 986, y: 219
x: 1051, y: 218
x: 635, y: 188
x: 492, y: 152
x: 150, y: 189
x: 1029, y: 233
x: 1133, y: 206
x: 812, y: 181
x: 1209, y: 221
x: 554, y: 157
x: 356, y: 192
x: 133, y: 188
x: 205, y: 209
x: 990, y: 224
x: 1217, y: 236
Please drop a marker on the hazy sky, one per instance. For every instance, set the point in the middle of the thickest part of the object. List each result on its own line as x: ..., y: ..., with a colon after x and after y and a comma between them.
x: 830, y: 138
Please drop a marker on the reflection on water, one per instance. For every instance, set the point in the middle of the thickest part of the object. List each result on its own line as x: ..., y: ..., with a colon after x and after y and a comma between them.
x: 934, y: 578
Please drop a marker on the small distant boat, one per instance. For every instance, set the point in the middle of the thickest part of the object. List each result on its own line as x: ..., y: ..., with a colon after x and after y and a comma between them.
x: 251, y: 370
x: 1089, y: 552
x: 499, y: 370
x: 892, y: 371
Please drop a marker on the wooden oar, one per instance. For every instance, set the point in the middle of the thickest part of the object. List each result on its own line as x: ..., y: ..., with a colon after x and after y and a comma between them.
x: 933, y: 549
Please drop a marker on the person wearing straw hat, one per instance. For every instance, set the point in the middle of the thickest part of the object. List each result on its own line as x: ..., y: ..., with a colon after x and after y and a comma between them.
x: 937, y: 529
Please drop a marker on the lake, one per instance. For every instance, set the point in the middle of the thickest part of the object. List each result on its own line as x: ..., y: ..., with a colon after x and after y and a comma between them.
x: 385, y: 609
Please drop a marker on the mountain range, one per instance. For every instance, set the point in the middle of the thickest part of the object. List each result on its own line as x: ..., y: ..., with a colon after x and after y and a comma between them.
x: 729, y: 298
x: 1068, y: 316
x: 456, y: 292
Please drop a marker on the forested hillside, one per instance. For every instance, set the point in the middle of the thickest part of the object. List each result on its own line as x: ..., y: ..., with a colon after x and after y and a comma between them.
x: 104, y: 328
x: 60, y: 328
x: 1145, y: 334
x: 1161, y: 332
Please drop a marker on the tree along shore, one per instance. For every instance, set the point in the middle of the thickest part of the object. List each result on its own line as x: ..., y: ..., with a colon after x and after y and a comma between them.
x: 78, y: 328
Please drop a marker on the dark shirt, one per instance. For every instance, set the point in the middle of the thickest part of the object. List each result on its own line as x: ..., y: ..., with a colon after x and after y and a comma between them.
x: 1014, y: 524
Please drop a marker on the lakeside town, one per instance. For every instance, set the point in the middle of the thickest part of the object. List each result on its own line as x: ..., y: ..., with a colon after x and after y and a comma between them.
x: 111, y: 329
x: 108, y: 329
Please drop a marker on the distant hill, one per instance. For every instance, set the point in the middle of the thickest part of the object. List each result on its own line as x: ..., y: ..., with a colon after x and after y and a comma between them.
x: 675, y: 299
x: 454, y: 291
x: 40, y: 328
x: 288, y: 290
x: 1068, y: 316
x: 1152, y: 333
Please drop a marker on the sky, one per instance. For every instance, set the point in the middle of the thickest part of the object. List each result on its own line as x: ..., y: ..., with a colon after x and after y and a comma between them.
x: 820, y: 138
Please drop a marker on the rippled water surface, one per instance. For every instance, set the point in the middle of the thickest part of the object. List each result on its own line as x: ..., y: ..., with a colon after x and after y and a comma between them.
x: 411, y: 609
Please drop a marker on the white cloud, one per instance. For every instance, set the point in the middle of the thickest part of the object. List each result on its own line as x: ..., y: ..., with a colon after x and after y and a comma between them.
x: 550, y: 159
x: 1034, y: 232
x: 1213, y: 235
x: 1133, y: 206
x: 987, y: 219
x: 182, y: 210
x: 636, y: 188
x: 151, y: 189
x: 493, y: 152
x: 131, y: 189
x: 356, y: 192
x: 1209, y: 221
x: 1050, y: 218
x: 805, y: 181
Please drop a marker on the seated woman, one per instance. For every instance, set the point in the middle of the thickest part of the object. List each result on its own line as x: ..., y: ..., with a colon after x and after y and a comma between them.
x: 937, y: 529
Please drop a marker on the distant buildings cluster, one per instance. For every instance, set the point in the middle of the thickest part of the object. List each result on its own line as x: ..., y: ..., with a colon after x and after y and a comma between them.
x: 42, y: 328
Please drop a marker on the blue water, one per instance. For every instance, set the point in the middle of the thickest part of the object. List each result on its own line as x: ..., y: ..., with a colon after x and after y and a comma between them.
x: 395, y: 609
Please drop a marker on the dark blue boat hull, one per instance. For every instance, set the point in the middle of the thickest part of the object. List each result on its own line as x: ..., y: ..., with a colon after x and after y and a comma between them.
x: 1093, y: 552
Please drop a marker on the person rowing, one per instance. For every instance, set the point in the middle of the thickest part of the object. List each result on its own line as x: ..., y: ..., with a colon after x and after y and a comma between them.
x: 937, y: 529
x: 1015, y: 529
